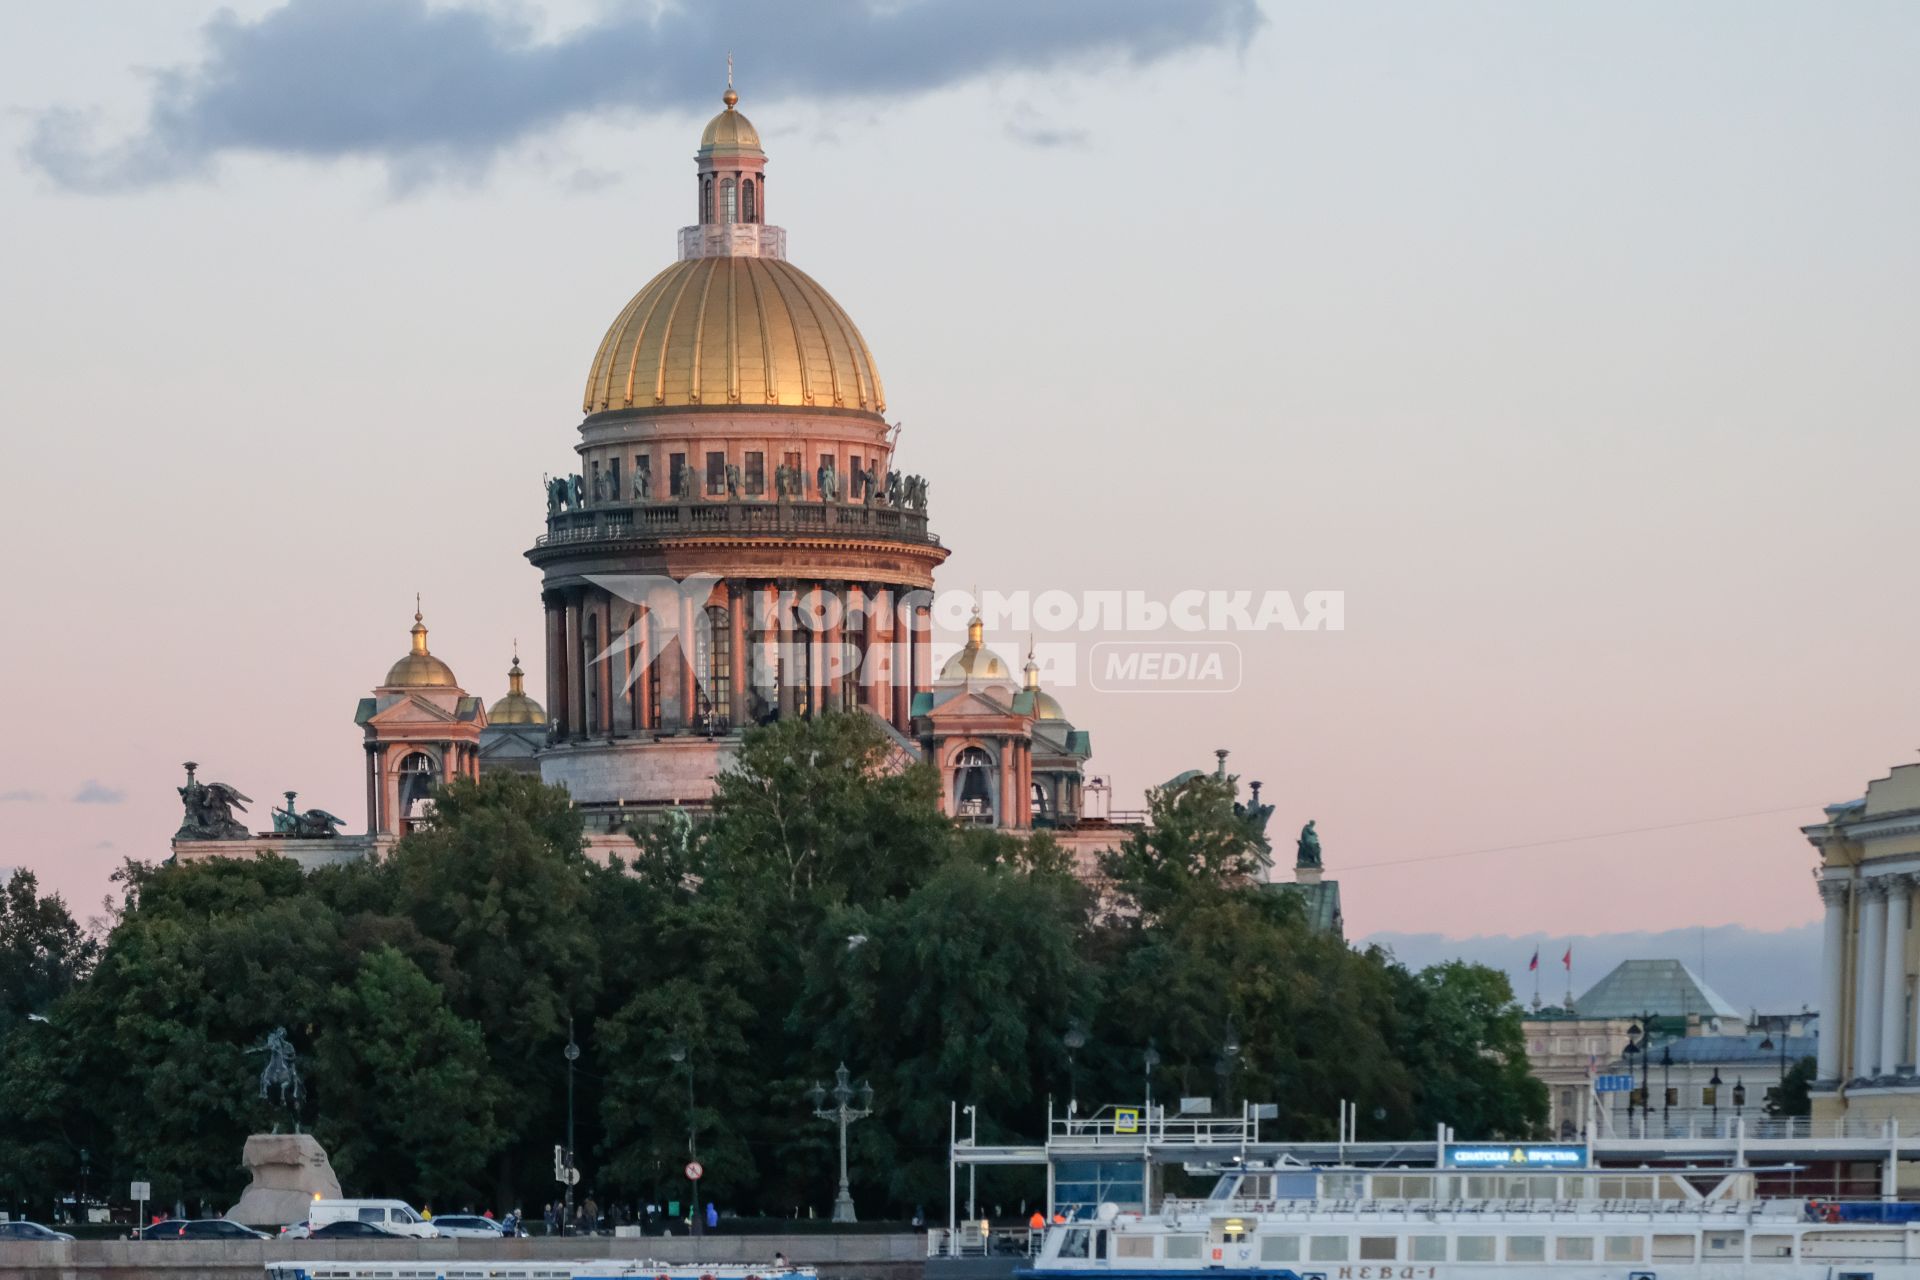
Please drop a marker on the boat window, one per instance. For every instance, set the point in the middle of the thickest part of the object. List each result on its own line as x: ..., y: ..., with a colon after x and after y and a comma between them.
x: 1279, y: 1248
x: 1073, y: 1243
x: 1232, y: 1230
x: 1673, y: 1248
x: 1427, y: 1248
x: 1576, y: 1188
x: 1526, y: 1248
x: 1416, y: 1186
x: 1100, y: 1245
x: 1386, y: 1187
x: 1773, y: 1248
x: 1726, y: 1242
x: 1573, y: 1249
x: 1625, y: 1248
x: 1541, y: 1188
x: 1343, y: 1186
x: 1256, y: 1187
x: 1515, y: 1187
x: 1379, y: 1248
x: 1640, y: 1188
x: 1327, y: 1248
x: 1183, y: 1247
x: 1473, y: 1249
x: 1133, y: 1247
x: 1481, y: 1187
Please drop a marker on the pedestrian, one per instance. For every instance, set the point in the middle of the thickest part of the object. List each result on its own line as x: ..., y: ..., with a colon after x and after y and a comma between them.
x: 593, y: 1215
x: 1037, y: 1222
x: 713, y: 1216
x: 779, y: 1261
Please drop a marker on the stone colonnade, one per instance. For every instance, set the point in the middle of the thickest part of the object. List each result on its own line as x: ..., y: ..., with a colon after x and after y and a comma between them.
x: 694, y: 658
x: 1884, y: 1040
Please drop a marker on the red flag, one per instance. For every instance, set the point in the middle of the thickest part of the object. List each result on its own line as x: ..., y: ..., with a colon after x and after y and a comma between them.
x: 1534, y: 963
x: 1567, y: 959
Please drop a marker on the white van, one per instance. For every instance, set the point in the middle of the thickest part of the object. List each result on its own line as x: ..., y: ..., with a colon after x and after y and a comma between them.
x: 396, y: 1216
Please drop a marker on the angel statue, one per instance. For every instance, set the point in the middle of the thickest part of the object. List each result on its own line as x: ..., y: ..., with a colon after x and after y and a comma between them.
x: 209, y: 810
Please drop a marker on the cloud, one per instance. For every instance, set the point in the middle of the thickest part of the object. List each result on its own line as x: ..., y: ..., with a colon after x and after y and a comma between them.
x: 439, y: 92
x: 1772, y: 971
x: 1030, y: 127
x: 22, y: 796
x: 92, y: 792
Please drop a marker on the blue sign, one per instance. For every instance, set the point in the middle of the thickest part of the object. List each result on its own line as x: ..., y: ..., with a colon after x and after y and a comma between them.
x: 1518, y: 1156
x: 1613, y: 1084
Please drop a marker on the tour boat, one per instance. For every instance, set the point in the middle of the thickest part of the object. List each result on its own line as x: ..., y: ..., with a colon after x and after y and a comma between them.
x: 1293, y: 1222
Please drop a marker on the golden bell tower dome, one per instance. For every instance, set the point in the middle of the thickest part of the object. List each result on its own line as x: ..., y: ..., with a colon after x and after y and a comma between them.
x: 419, y: 669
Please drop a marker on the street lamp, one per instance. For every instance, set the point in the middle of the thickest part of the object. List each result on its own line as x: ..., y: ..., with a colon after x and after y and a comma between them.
x: 679, y: 1054
x: 1223, y: 1067
x: 1630, y: 1052
x: 1148, y: 1061
x: 845, y: 1114
x: 1666, y: 1090
x: 1075, y: 1040
x: 973, y: 1140
x: 1739, y: 1097
x: 572, y: 1053
x: 1713, y: 1098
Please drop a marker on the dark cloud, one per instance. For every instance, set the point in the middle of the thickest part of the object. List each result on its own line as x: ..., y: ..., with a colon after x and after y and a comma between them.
x: 440, y: 91
x: 22, y: 796
x: 92, y: 792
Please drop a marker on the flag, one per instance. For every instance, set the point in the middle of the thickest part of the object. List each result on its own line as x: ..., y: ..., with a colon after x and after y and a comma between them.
x: 1533, y: 965
x: 1567, y: 959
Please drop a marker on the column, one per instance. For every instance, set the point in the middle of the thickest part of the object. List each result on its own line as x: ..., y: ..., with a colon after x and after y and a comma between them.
x: 603, y: 667
x: 922, y: 648
x: 854, y: 630
x: 1833, y: 965
x: 878, y: 654
x: 739, y: 698
x: 1868, y: 971
x: 576, y: 670
x: 816, y: 617
x: 557, y: 663
x: 834, y: 669
x: 373, y: 789
x: 689, y: 638
x: 1008, y: 785
x: 643, y: 653
x: 766, y: 629
x: 789, y: 654
x: 900, y: 677
x: 1893, y: 976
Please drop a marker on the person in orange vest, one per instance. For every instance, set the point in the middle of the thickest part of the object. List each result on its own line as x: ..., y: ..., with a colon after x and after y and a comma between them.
x: 1037, y: 1222
x: 1059, y: 1219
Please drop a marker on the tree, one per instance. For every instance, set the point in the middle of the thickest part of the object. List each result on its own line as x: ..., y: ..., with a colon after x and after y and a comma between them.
x: 1459, y: 1034
x: 1794, y: 1097
x: 412, y: 1101
x: 1195, y: 841
x: 43, y: 951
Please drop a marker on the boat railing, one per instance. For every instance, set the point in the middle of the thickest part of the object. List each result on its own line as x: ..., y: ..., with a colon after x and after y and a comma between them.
x: 969, y: 1241
x: 1176, y: 1209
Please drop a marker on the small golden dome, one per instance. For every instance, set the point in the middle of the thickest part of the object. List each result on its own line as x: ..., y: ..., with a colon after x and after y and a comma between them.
x: 1047, y: 707
x: 420, y: 669
x: 975, y: 663
x: 733, y: 331
x: 517, y: 707
x: 729, y: 131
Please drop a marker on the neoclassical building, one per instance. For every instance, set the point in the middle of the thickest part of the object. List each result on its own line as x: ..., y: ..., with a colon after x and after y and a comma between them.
x: 1868, y: 874
x: 732, y: 544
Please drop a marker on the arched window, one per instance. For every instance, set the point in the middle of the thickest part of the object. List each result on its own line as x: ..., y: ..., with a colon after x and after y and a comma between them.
x: 749, y: 206
x: 706, y: 200
x: 973, y: 786
x: 727, y: 209
x: 417, y: 776
x: 1042, y: 802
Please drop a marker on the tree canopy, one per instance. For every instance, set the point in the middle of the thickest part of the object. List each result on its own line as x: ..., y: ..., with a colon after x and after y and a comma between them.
x: 823, y: 912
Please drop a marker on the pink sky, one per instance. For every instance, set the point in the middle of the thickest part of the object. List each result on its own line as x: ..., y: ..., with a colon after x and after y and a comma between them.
x: 1577, y: 351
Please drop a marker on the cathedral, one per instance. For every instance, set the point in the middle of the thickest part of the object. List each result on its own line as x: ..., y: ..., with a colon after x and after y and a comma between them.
x: 731, y: 545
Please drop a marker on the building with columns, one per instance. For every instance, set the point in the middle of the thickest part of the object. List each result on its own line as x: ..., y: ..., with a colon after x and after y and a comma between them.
x: 1869, y: 870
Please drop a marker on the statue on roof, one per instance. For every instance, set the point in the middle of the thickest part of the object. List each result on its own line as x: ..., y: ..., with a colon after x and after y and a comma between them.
x: 733, y: 480
x: 209, y: 810
x: 1309, y: 847
x: 893, y: 488
x: 314, y: 824
x: 829, y: 481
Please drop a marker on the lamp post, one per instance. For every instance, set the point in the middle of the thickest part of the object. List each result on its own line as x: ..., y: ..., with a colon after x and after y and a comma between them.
x: 572, y: 1052
x: 1666, y: 1090
x: 973, y: 1140
x: 844, y: 1113
x: 1713, y: 1096
x: 1075, y: 1040
x: 1630, y: 1052
x: 1148, y: 1061
x: 1223, y: 1067
x: 681, y: 1055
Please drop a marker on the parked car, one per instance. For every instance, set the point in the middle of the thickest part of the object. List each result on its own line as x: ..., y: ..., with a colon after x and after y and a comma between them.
x: 397, y: 1217
x: 296, y: 1231
x: 468, y: 1226
x: 31, y: 1231
x: 165, y: 1229
x: 350, y: 1229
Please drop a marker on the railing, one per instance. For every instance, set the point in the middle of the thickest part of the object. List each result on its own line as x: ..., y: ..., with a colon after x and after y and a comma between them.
x: 1108, y: 1130
x: 612, y: 521
x: 1492, y: 1210
x: 971, y: 1242
x: 1760, y: 1129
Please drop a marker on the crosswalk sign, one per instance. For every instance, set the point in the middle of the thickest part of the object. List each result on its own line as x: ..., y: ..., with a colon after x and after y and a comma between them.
x: 1126, y: 1119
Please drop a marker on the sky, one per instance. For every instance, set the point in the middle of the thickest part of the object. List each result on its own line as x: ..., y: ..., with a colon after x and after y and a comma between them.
x: 1572, y: 344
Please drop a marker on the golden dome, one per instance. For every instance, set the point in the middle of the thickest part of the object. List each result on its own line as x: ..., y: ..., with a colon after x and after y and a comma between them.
x: 420, y: 669
x: 1047, y: 707
x: 730, y: 131
x: 733, y: 331
x: 975, y: 663
x: 517, y: 707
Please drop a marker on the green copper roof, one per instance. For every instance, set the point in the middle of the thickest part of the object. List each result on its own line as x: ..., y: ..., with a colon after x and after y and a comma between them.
x: 1659, y: 987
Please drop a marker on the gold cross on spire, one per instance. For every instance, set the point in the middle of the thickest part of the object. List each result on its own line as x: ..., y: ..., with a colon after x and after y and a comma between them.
x: 729, y: 68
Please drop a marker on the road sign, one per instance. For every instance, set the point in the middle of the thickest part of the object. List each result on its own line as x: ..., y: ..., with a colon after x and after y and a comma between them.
x: 1126, y: 1120
x: 559, y: 1164
x: 694, y: 1171
x: 1613, y: 1084
x: 573, y: 1178
x: 141, y: 1191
